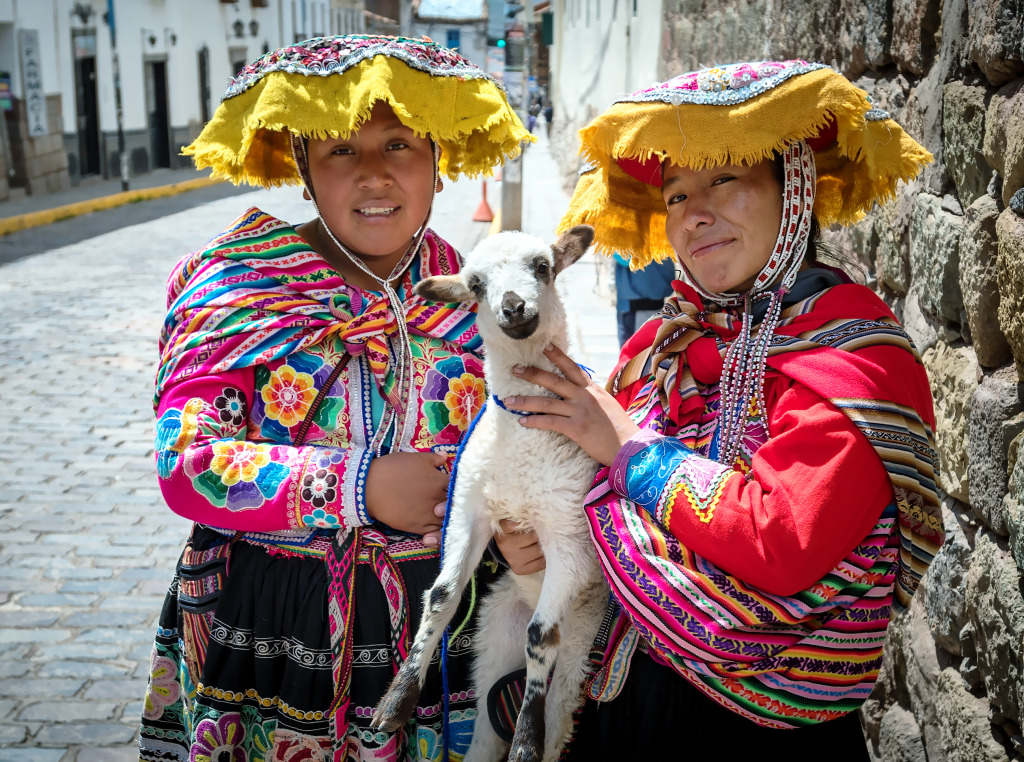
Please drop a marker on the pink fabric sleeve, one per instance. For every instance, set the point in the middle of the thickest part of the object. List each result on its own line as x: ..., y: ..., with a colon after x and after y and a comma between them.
x: 211, y: 473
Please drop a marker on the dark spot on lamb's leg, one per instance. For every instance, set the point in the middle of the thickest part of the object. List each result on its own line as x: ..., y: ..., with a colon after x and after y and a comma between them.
x: 439, y: 596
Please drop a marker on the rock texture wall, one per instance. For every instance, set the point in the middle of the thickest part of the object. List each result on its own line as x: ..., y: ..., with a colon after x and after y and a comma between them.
x: 948, y: 256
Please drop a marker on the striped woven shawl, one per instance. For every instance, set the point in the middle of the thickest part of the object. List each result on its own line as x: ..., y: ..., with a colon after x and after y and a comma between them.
x: 258, y: 292
x: 782, y: 661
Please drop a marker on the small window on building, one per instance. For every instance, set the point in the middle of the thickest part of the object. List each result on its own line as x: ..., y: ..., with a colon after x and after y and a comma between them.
x: 454, y: 38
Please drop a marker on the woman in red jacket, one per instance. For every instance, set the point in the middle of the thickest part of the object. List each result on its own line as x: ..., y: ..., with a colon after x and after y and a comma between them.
x: 769, y: 494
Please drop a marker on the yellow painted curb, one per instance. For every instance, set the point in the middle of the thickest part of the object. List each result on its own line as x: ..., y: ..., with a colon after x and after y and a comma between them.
x: 48, y: 216
x: 495, y: 223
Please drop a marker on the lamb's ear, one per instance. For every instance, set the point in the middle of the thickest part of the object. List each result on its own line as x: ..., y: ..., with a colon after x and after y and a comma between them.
x: 448, y: 289
x: 571, y: 245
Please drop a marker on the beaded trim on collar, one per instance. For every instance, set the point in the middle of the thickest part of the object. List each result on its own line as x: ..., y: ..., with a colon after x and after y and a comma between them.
x: 723, y: 85
x: 324, y: 56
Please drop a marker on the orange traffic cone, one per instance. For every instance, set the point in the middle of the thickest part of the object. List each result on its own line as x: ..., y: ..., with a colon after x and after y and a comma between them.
x: 483, y: 212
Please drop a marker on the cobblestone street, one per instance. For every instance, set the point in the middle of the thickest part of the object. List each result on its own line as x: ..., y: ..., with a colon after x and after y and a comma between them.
x: 87, y: 545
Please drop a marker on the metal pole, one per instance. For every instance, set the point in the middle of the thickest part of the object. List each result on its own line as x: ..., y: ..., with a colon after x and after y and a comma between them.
x: 117, y: 95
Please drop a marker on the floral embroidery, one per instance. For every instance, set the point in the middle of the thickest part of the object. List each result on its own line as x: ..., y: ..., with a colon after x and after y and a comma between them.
x: 238, y: 461
x: 261, y: 742
x: 238, y: 476
x: 230, y: 406
x: 163, y: 688
x: 288, y: 395
x: 321, y: 519
x: 175, y: 431
x: 294, y: 747
x: 324, y: 56
x: 464, y: 398
x: 453, y: 393
x: 318, y: 488
x: 220, y: 741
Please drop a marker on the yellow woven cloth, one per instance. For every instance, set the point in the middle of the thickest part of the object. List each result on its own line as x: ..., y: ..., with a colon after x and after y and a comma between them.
x: 738, y: 114
x: 327, y: 87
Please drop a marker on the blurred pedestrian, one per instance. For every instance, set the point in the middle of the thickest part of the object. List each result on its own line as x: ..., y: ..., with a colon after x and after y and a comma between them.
x: 640, y: 294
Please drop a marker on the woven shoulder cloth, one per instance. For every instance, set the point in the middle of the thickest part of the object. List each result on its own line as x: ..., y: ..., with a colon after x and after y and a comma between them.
x: 258, y: 293
x: 782, y: 661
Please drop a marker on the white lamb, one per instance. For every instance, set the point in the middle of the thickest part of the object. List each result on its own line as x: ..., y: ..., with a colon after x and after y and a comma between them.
x: 547, y: 620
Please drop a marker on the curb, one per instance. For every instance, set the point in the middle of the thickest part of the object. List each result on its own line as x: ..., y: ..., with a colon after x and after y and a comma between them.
x: 67, y: 211
x: 495, y: 223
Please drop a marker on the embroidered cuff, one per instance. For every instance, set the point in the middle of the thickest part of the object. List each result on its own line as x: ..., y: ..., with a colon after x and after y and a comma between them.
x: 648, y: 470
x: 354, y: 497
x: 639, y: 441
x: 331, y: 489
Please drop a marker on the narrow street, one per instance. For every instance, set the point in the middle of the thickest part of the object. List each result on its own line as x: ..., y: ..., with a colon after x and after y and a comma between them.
x: 87, y: 545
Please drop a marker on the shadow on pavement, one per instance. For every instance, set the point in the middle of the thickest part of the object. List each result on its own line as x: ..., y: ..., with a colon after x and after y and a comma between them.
x: 24, y: 243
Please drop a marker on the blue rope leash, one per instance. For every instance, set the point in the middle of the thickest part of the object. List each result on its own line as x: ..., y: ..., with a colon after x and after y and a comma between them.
x: 497, y: 400
x: 445, y: 696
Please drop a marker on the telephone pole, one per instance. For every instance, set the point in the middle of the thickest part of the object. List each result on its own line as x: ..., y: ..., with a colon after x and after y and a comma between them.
x: 117, y: 95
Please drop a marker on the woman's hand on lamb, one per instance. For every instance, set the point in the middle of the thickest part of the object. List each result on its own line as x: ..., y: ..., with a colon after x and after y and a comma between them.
x: 583, y: 410
x: 408, y: 491
x: 520, y: 548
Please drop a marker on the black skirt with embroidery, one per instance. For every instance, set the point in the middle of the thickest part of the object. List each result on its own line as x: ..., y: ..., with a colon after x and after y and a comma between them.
x: 264, y: 686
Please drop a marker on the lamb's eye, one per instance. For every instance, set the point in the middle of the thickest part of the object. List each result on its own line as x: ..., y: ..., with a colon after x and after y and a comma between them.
x: 542, y: 268
x: 476, y: 286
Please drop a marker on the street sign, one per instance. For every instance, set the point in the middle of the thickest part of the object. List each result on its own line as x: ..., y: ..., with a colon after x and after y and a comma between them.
x: 32, y: 81
x: 6, y: 97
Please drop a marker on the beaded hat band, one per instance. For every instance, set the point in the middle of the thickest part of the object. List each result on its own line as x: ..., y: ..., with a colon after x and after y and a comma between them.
x: 327, y: 87
x: 737, y: 114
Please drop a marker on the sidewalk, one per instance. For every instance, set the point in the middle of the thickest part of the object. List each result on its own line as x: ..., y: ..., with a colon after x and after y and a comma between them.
x: 95, y: 194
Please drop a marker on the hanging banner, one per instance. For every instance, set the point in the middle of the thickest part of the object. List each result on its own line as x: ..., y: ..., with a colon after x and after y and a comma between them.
x: 32, y: 82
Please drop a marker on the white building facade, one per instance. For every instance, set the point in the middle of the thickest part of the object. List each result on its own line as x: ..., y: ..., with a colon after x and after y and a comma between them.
x: 175, y: 60
x: 603, y: 50
x: 458, y: 24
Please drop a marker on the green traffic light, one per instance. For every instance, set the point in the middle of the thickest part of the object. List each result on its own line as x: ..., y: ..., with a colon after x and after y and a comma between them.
x: 501, y: 43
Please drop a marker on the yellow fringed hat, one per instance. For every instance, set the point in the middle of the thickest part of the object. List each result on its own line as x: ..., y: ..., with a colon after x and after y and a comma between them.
x: 736, y: 114
x: 327, y: 87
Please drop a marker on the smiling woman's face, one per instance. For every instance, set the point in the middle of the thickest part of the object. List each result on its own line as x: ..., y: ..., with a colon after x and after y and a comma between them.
x: 723, y: 221
x: 374, y: 188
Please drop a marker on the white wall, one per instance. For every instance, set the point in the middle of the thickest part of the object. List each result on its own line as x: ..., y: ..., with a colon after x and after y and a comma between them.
x: 472, y: 38
x: 603, y: 51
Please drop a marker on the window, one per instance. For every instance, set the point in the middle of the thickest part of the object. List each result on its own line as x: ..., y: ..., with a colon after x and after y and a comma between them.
x: 454, y: 38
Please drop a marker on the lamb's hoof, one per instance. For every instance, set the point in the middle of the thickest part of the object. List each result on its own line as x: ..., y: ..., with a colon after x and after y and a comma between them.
x: 525, y: 753
x: 398, y: 704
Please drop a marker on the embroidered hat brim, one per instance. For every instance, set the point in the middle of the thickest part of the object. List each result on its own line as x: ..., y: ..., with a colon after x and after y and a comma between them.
x: 326, y: 87
x: 742, y: 113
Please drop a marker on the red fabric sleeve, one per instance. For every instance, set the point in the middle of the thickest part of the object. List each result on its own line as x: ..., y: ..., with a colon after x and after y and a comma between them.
x: 815, y: 490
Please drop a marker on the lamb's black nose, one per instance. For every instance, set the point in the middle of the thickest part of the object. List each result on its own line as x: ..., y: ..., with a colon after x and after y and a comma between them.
x: 512, y: 306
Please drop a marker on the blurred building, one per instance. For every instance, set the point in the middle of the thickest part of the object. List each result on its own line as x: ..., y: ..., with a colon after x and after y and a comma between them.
x: 458, y: 24
x: 385, y: 16
x: 59, y: 125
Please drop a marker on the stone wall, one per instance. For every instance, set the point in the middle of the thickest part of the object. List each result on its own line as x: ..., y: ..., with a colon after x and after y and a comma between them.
x: 40, y: 164
x: 948, y: 256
